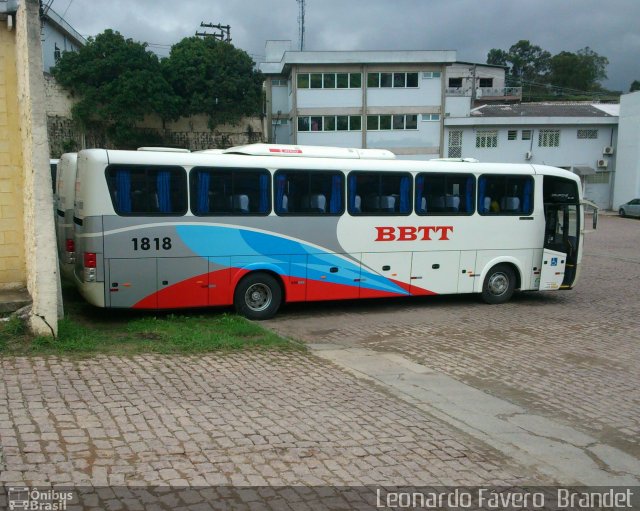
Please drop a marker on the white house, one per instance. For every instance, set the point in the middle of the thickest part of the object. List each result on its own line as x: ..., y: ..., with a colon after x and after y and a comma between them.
x: 57, y: 37
x: 367, y: 99
x: 577, y: 136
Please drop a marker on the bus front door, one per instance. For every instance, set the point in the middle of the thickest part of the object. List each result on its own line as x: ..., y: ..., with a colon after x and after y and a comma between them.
x: 560, y: 254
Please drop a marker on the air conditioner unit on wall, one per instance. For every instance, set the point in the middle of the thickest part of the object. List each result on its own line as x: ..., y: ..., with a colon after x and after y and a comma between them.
x: 528, y: 155
x: 602, y: 164
x: 608, y: 150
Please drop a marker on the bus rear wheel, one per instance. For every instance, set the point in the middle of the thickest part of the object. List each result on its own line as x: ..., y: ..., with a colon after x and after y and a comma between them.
x: 257, y: 296
x: 499, y: 284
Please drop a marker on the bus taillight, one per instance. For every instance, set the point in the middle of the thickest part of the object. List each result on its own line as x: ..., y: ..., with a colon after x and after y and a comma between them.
x: 90, y: 261
x: 70, y: 254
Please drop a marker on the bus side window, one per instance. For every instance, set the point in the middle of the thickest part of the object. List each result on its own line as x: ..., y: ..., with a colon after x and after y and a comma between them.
x: 505, y: 195
x: 230, y: 191
x: 445, y: 194
x: 147, y: 190
x: 309, y: 192
x: 381, y: 193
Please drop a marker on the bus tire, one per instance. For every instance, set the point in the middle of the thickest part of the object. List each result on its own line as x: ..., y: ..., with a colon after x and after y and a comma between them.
x: 499, y: 284
x: 257, y: 296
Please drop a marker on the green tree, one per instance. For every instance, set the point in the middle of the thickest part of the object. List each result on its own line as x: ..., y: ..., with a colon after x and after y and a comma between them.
x: 635, y: 86
x: 581, y: 71
x: 524, y: 61
x: 214, y: 78
x: 117, y: 82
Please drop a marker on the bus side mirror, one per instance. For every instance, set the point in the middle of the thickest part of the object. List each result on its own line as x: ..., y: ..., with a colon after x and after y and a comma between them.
x: 595, y: 219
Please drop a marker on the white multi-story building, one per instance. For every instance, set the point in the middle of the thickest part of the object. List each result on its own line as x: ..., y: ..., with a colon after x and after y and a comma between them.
x: 427, y: 104
x: 367, y: 99
x: 576, y: 136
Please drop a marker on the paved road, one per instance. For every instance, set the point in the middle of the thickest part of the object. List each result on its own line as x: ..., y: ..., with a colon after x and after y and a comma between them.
x: 560, y: 367
x: 570, y: 358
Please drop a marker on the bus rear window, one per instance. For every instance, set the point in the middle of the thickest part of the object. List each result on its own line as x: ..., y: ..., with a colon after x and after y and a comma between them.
x: 230, y: 191
x: 505, y: 195
x: 149, y: 190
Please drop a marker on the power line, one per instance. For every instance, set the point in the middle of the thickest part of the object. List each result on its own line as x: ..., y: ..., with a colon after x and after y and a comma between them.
x: 65, y: 11
x: 224, y: 33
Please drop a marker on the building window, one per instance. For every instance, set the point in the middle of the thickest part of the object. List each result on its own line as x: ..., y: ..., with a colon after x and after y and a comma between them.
x: 599, y: 178
x: 396, y: 122
x: 395, y: 80
x: 587, y: 133
x: 330, y: 123
x: 549, y: 138
x: 278, y: 83
x: 373, y: 80
x: 430, y: 117
x: 428, y: 75
x: 405, y: 122
x: 455, y: 144
x: 316, y: 80
x: 486, y: 139
x: 455, y: 83
x: 329, y: 80
x: 526, y: 134
x: 512, y: 135
x: 486, y: 83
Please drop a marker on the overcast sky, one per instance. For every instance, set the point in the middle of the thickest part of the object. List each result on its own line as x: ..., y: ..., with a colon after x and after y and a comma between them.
x: 471, y: 27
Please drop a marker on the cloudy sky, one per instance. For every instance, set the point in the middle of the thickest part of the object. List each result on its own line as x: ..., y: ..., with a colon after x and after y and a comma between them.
x: 472, y: 27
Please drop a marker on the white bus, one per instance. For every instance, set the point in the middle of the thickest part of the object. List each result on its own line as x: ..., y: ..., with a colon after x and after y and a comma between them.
x: 260, y: 225
x: 64, y: 187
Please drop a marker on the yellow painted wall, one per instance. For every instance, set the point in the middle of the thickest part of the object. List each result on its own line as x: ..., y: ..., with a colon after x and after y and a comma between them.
x: 12, y: 249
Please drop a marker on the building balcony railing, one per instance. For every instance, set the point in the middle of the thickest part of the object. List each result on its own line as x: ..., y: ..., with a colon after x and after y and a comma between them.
x: 485, y: 92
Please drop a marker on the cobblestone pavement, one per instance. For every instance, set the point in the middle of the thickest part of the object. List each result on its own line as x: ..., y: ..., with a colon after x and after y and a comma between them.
x: 572, y: 356
x: 248, y: 419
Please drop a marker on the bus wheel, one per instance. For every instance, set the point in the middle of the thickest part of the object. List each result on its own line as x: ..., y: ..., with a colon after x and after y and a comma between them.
x: 499, y: 284
x: 257, y: 296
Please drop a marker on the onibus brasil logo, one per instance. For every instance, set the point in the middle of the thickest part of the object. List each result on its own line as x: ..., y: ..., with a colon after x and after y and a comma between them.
x: 23, y: 497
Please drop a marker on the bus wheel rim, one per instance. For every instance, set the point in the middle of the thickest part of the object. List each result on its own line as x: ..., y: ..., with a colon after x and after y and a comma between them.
x: 498, y: 284
x: 258, y: 297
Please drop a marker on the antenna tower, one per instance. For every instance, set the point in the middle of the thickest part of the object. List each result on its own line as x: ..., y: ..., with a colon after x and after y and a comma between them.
x: 301, y: 23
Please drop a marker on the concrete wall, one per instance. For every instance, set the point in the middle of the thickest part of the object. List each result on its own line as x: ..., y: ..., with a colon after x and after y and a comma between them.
x: 627, y: 177
x: 43, y: 281
x: 13, y: 271
x: 189, y: 132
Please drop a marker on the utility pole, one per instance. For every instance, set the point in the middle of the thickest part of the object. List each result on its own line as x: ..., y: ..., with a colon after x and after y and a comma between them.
x: 301, y: 23
x: 224, y: 33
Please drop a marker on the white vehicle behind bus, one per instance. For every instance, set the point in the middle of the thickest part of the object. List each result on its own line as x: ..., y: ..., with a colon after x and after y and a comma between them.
x: 64, y: 198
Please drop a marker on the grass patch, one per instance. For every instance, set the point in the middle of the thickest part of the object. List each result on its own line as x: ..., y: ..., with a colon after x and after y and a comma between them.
x: 87, y: 330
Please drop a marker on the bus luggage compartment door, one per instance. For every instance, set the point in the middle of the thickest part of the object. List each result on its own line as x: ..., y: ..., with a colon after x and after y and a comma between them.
x: 183, y: 282
x: 552, y: 272
x: 131, y: 281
